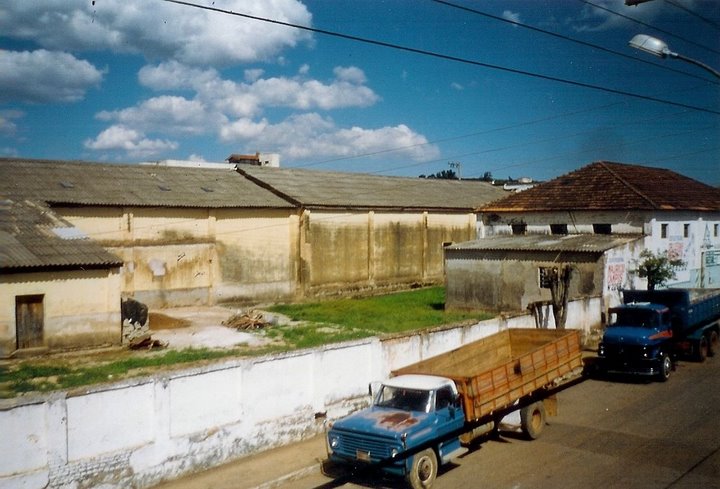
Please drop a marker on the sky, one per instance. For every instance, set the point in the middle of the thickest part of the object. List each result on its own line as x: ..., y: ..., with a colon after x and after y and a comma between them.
x: 527, y: 88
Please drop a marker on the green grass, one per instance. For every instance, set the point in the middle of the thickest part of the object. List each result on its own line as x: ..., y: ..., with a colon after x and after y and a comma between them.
x: 346, y: 319
x: 318, y: 323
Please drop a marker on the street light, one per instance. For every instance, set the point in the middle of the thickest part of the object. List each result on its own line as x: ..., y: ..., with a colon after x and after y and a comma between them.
x: 659, y: 48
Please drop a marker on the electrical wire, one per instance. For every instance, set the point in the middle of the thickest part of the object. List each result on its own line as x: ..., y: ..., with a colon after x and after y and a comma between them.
x: 600, y: 7
x: 571, y: 39
x: 448, y: 57
x: 694, y: 14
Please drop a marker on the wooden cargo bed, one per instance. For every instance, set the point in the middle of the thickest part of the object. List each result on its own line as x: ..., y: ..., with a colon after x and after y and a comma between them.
x: 494, y: 372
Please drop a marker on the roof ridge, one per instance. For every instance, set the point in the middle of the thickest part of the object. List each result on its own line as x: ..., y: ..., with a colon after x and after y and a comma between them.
x: 615, y: 174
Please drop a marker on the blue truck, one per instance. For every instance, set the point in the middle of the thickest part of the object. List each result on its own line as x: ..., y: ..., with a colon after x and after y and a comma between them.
x: 653, y: 328
x: 425, y: 414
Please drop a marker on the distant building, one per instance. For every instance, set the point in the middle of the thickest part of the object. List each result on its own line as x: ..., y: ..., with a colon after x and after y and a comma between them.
x: 604, y: 214
x: 258, y: 159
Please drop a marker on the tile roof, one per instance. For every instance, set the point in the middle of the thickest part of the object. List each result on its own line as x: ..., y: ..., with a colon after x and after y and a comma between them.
x: 32, y: 236
x: 613, y: 186
x: 324, y: 189
x: 82, y: 183
x: 582, y: 243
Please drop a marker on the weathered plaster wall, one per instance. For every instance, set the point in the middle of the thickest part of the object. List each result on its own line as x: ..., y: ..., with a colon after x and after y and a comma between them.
x: 81, y: 308
x: 509, y: 281
x: 139, y: 433
x: 187, y: 256
x: 353, y: 250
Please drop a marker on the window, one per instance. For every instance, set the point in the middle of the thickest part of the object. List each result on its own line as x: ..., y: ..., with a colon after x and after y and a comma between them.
x: 519, y: 228
x: 602, y: 228
x: 686, y: 230
x: 444, y: 398
x: 558, y: 228
x: 545, y: 275
x: 663, y: 230
x: 715, y: 229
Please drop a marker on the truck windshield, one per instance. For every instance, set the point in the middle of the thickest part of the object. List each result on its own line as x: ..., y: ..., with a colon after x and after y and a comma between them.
x: 633, y: 317
x: 405, y: 399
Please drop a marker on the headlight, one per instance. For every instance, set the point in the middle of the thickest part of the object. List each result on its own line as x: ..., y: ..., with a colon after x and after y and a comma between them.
x: 601, y: 350
x: 394, y: 452
x: 334, y: 441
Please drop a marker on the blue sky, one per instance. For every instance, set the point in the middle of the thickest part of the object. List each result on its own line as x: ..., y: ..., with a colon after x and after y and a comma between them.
x: 146, y: 80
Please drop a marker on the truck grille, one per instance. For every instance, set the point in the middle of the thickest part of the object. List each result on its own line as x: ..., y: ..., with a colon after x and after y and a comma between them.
x: 351, y: 443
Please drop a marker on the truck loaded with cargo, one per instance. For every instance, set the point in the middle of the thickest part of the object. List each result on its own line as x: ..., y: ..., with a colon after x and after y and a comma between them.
x: 424, y: 414
x: 654, y: 328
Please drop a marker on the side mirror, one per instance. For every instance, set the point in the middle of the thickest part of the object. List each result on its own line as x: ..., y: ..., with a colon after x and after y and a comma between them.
x: 373, y: 389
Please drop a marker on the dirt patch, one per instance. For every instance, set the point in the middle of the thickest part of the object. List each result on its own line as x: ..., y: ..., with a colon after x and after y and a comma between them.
x: 159, y: 321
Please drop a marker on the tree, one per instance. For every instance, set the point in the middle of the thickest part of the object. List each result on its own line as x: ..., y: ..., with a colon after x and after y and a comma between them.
x: 657, y: 268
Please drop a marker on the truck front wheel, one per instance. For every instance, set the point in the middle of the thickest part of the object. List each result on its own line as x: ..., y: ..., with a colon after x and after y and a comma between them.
x: 424, y: 470
x: 532, y: 420
x: 712, y: 343
x: 665, y: 367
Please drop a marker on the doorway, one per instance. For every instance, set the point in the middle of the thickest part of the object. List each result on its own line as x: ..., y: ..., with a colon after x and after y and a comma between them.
x: 29, y: 316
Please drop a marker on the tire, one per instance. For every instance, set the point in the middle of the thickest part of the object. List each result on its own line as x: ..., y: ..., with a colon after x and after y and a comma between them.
x: 713, y: 343
x: 424, y: 470
x: 665, y: 368
x: 532, y: 420
x: 702, y: 351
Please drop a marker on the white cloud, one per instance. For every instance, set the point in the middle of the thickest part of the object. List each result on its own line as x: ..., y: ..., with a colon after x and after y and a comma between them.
x: 593, y: 19
x: 130, y: 141
x: 45, y: 76
x: 511, y: 16
x: 7, y: 118
x: 169, y: 114
x: 159, y: 29
x: 248, y: 99
x: 310, y: 136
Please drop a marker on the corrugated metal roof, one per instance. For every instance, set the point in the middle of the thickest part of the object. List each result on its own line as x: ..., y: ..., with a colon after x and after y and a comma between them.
x: 82, y: 183
x: 313, y: 188
x: 583, y: 243
x: 613, y: 186
x: 32, y: 236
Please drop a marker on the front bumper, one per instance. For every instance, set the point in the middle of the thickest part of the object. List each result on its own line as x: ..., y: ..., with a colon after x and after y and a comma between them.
x: 633, y: 360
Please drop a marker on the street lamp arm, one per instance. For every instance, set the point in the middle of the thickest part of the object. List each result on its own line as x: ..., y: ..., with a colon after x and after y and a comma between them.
x: 696, y: 63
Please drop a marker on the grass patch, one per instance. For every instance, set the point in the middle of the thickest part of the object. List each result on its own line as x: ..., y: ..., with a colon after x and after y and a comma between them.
x: 347, y: 319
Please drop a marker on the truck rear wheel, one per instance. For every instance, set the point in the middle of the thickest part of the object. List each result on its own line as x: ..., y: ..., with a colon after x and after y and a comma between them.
x: 713, y: 343
x: 532, y: 420
x: 424, y: 470
x: 702, y: 349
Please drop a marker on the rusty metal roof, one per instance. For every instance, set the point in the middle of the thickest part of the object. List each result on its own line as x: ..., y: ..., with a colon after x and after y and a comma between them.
x: 323, y: 189
x: 613, y: 186
x: 82, y: 183
x: 32, y: 236
x: 582, y: 243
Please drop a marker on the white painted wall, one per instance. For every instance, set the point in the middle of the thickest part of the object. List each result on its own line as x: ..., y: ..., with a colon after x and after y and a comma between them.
x: 141, y: 432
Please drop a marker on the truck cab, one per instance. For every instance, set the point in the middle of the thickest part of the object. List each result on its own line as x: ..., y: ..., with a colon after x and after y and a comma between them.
x: 636, y: 340
x: 410, y: 429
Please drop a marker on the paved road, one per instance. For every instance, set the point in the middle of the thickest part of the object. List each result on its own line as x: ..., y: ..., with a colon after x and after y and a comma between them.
x: 608, y: 434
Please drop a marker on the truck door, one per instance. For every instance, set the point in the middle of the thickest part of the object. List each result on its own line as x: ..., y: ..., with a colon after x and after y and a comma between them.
x: 449, y: 415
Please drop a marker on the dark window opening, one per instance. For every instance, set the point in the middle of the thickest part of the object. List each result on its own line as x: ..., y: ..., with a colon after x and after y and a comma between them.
x: 602, y: 228
x: 686, y: 230
x: 558, y: 228
x: 519, y: 228
x: 663, y: 230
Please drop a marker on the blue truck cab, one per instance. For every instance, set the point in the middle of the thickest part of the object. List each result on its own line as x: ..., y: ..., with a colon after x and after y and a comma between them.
x: 653, y: 328
x: 412, y: 427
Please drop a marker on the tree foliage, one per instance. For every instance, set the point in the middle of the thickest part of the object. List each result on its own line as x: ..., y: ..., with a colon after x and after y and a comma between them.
x: 657, y: 268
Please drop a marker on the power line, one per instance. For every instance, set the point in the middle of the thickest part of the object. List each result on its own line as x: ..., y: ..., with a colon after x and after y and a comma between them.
x: 447, y: 57
x: 694, y: 14
x: 571, y: 39
x: 600, y: 7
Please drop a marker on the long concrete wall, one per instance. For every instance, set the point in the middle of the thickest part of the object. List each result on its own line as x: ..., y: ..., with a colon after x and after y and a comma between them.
x: 138, y: 433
